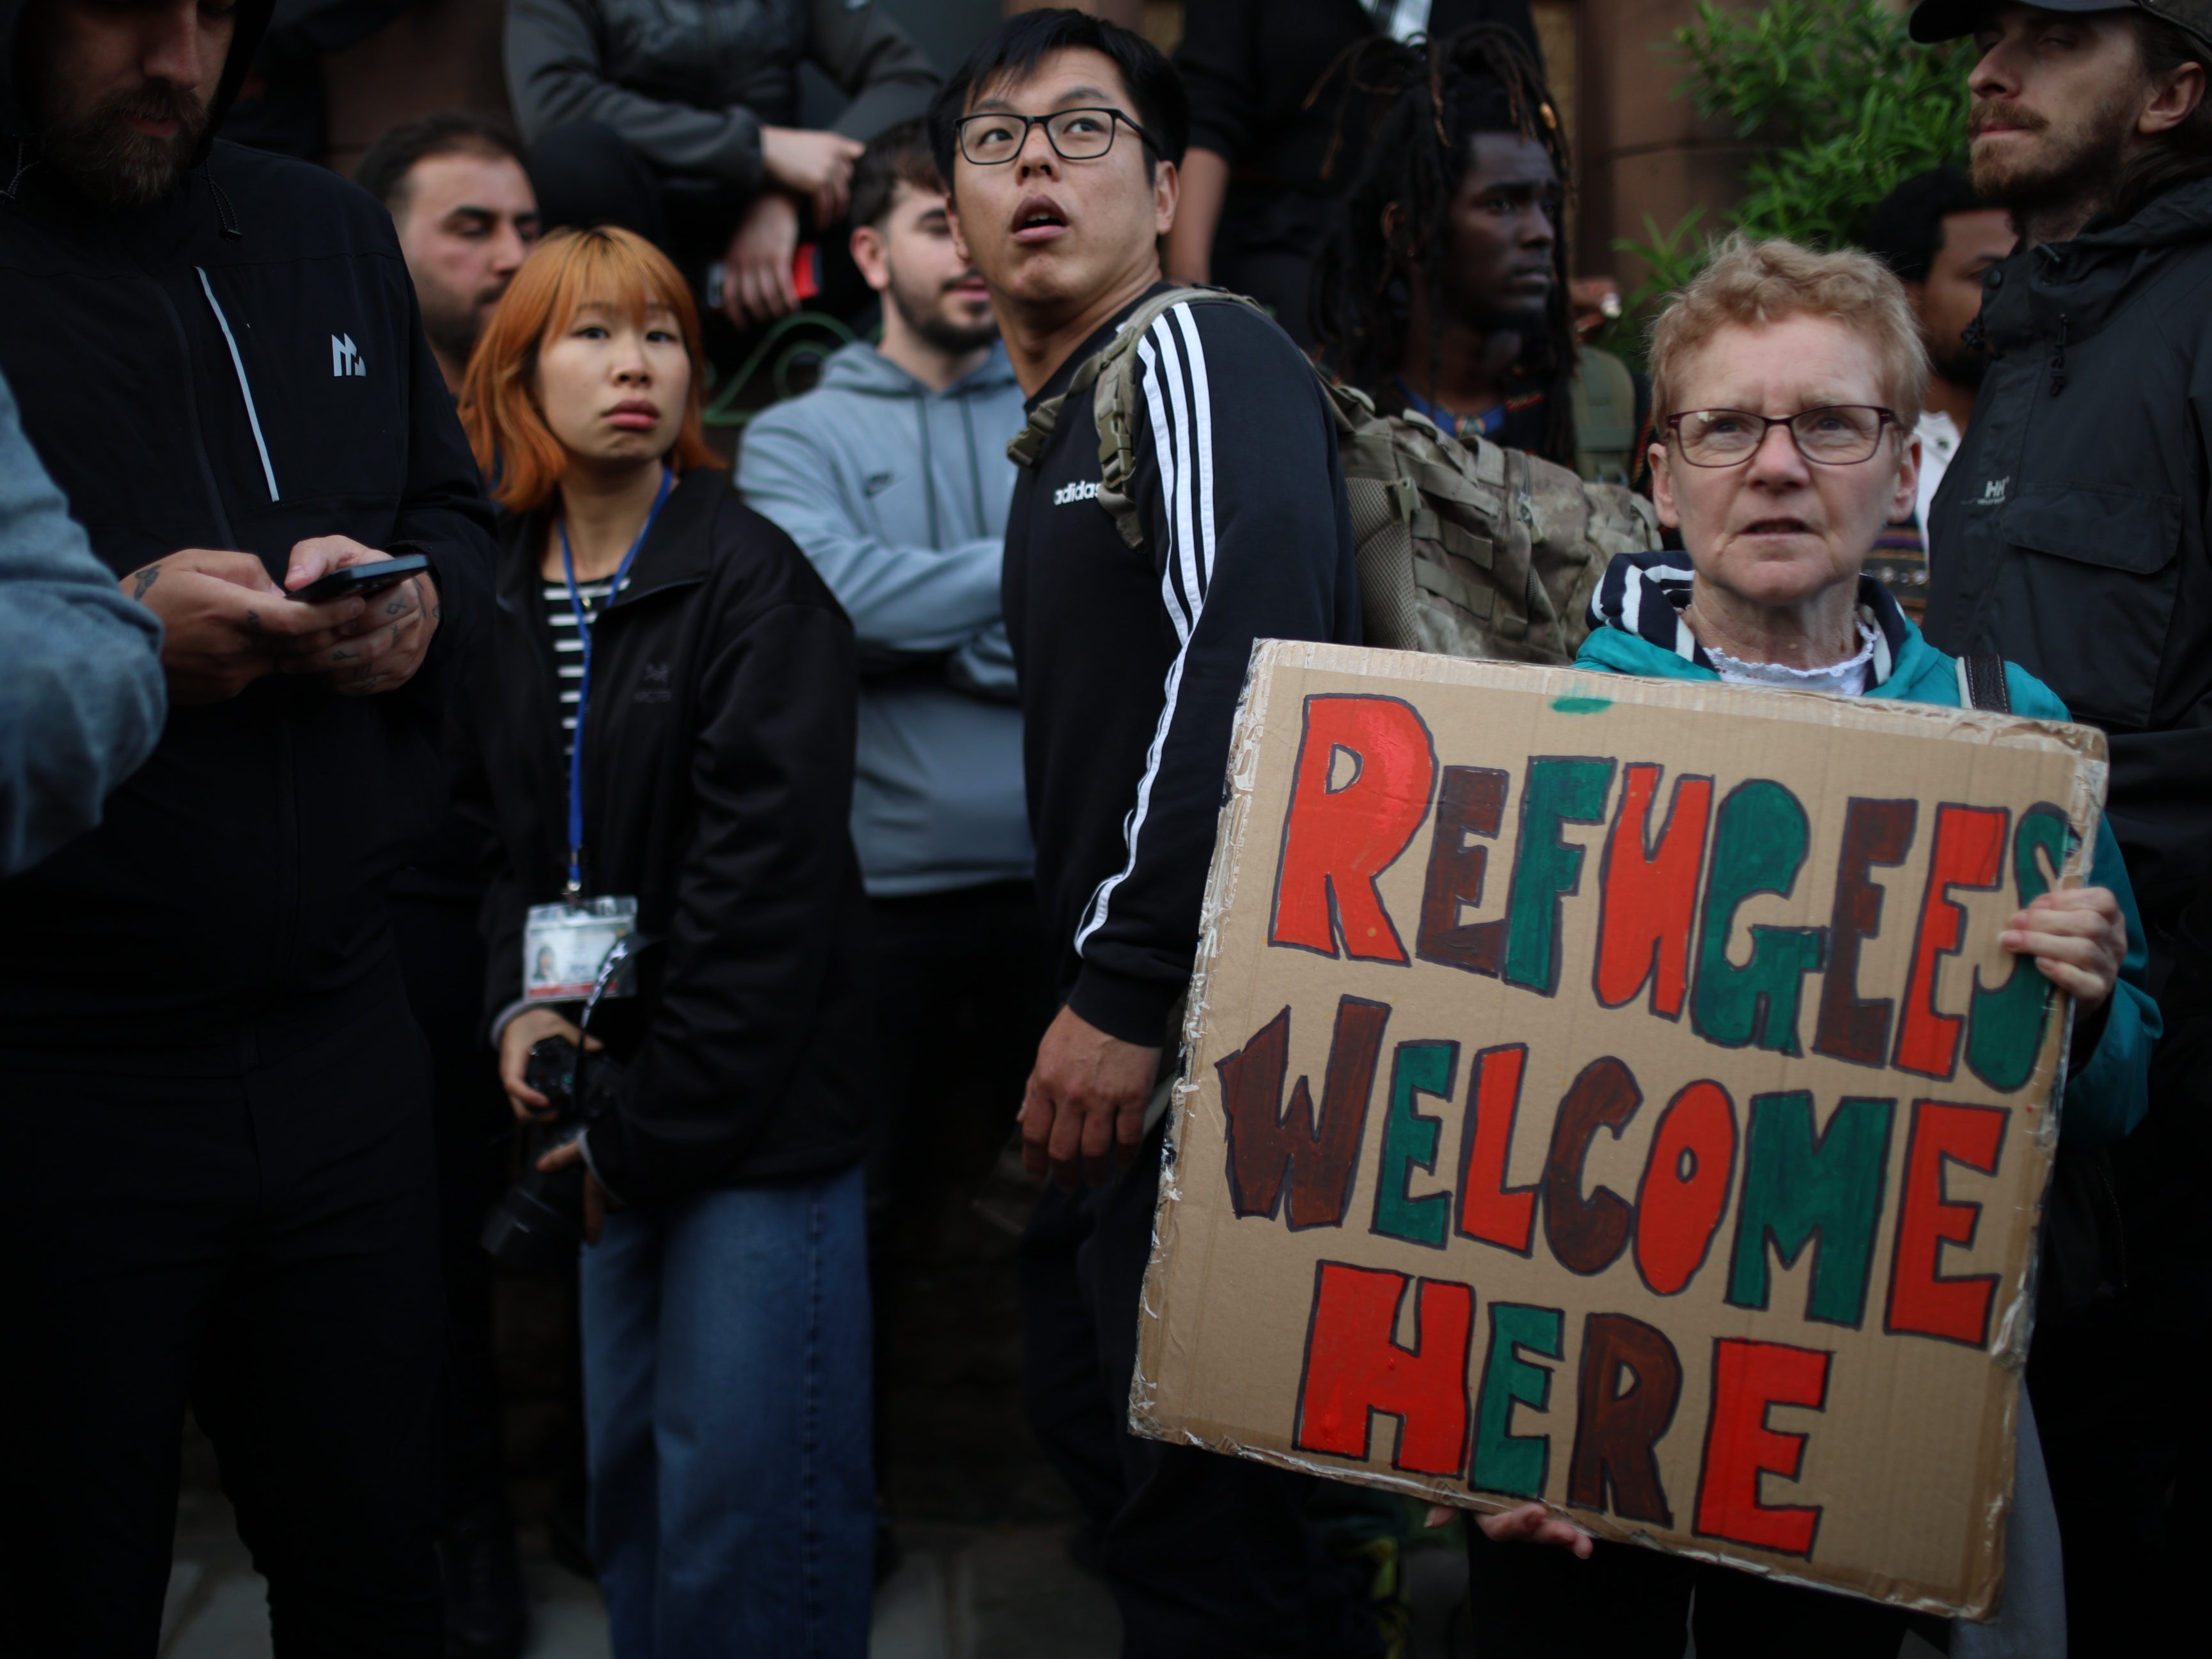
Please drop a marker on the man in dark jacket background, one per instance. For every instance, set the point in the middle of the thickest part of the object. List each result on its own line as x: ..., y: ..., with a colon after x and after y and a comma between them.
x: 1276, y: 136
x: 682, y: 125
x: 215, y: 1102
x: 2071, y: 535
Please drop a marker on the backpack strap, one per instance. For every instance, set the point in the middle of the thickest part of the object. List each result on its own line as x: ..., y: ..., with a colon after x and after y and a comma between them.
x: 1982, y: 683
x: 1113, y: 401
x: 1603, y: 398
x: 1109, y: 374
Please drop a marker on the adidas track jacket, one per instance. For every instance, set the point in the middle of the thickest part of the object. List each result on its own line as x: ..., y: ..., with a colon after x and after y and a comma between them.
x: 1131, y: 662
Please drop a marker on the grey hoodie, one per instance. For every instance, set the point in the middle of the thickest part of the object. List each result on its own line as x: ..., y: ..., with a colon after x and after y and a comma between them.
x: 898, y: 494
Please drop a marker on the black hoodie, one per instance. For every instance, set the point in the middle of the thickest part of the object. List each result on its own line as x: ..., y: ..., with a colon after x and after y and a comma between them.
x: 2071, y: 535
x: 239, y: 366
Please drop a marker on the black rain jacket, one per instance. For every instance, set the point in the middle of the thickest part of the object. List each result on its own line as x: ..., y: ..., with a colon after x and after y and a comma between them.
x: 718, y: 784
x: 2070, y: 534
x: 239, y: 366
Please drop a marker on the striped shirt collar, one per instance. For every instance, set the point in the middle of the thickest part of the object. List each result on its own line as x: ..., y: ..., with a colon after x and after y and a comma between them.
x: 1645, y: 593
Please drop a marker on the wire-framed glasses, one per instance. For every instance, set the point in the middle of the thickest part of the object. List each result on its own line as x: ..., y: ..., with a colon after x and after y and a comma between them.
x: 1081, y: 135
x: 1840, y: 435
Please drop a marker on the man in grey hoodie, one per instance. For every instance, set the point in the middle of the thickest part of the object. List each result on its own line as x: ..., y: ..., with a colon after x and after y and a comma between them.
x: 892, y: 476
x: 81, y: 696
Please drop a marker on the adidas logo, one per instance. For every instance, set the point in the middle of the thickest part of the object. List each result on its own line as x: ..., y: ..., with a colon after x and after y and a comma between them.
x: 1083, y: 490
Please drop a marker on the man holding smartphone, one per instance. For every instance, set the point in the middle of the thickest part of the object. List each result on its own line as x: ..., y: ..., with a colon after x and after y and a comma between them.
x: 215, y: 1100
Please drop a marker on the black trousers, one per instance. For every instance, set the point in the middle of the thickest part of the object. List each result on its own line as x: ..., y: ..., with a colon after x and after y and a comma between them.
x: 963, y: 999
x: 441, y: 961
x: 261, y: 1247
x: 1208, y: 1557
x: 1532, y: 1602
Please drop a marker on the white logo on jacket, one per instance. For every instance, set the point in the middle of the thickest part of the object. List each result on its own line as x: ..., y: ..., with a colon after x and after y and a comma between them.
x: 345, y: 356
x: 1993, y: 491
x: 1082, y: 490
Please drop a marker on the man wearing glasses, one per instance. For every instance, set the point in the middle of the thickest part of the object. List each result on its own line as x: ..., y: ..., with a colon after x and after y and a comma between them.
x: 1058, y: 138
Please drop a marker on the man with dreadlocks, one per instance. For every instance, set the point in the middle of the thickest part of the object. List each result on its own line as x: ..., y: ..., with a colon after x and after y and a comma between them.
x: 1443, y: 290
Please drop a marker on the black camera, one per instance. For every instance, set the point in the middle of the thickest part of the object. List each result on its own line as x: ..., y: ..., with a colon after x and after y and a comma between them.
x: 539, y: 1222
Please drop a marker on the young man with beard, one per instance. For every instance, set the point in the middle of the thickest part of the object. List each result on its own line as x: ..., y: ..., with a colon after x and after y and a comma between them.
x: 892, y: 476
x: 1443, y: 290
x: 1937, y: 233
x: 2071, y: 535
x: 216, y: 1104
x: 467, y: 218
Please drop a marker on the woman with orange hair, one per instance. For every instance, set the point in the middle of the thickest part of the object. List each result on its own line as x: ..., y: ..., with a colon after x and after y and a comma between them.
x: 662, y: 742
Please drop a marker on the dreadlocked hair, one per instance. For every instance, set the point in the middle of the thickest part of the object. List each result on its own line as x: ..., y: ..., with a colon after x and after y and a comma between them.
x: 1426, y: 108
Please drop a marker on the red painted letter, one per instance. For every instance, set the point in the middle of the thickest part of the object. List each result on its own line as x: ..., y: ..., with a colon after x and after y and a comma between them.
x: 1969, y: 845
x: 1922, y: 1299
x: 1488, y: 1209
x: 1354, y: 1367
x: 1337, y: 840
x: 1685, y: 1187
x: 1644, y: 924
x: 1749, y: 1378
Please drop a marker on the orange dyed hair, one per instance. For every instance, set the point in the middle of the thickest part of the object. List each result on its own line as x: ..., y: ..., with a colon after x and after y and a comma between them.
x: 569, y: 269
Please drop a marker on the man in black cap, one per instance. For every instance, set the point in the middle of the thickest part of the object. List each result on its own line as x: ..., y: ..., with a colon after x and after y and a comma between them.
x: 2071, y: 536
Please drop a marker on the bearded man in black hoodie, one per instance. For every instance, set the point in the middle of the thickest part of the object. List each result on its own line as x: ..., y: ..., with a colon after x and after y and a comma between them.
x: 2071, y: 535
x: 214, y: 1102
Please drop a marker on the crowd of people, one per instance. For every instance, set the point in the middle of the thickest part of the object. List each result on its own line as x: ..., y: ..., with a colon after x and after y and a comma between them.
x: 763, y: 847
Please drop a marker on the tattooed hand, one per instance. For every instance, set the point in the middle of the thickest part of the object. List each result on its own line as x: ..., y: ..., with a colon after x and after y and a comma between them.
x: 225, y: 624
x: 380, y: 649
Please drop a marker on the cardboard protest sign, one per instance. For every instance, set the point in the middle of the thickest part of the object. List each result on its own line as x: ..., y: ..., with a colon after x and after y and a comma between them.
x: 1613, y: 1092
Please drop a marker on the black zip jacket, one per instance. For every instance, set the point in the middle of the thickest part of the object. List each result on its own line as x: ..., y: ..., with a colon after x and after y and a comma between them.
x: 718, y: 779
x: 1131, y: 663
x: 2070, y: 533
x: 239, y: 365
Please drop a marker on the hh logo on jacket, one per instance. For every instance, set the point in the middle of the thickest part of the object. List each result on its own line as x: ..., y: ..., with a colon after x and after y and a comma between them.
x: 345, y: 356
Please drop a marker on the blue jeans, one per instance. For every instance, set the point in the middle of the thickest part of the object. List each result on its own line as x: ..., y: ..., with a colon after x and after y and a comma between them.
x: 725, y: 1401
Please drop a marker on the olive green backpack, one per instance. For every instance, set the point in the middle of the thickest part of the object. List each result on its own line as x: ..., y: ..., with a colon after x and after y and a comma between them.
x: 1468, y: 550
x: 1602, y: 395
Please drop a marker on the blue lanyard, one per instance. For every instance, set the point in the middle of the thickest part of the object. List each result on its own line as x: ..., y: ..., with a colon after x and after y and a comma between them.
x: 584, y: 680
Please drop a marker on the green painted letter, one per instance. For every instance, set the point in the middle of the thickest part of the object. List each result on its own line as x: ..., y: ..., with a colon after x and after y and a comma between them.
x: 1504, y: 1462
x: 2004, y: 1023
x: 1409, y: 1138
x: 1799, y: 1188
x: 1759, y: 846
x: 1559, y: 790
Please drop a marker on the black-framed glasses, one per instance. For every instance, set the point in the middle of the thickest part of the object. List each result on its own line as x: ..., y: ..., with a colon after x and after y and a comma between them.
x: 995, y: 139
x: 1840, y: 435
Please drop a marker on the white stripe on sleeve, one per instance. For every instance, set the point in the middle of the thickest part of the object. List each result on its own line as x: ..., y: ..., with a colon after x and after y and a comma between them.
x: 1168, y: 443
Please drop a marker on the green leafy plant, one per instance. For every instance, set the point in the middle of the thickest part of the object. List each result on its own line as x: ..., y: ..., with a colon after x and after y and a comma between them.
x: 1842, y: 105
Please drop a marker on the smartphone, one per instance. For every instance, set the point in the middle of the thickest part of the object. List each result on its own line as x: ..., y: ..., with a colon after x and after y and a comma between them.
x: 363, y: 579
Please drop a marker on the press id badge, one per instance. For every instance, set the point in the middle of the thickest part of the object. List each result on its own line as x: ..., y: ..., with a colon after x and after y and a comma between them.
x: 564, y: 946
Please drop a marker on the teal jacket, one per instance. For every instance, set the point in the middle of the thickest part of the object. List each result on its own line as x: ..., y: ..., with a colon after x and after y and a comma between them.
x: 2107, y: 1097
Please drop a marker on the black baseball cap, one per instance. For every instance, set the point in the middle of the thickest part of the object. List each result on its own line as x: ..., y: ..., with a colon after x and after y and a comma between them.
x: 1946, y: 20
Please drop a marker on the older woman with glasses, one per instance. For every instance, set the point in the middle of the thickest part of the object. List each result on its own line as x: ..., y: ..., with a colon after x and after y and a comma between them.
x: 1785, y: 384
